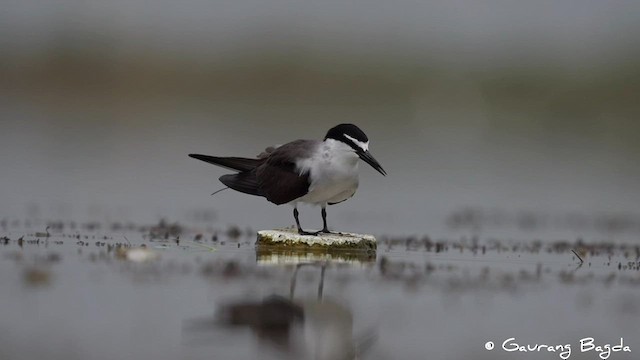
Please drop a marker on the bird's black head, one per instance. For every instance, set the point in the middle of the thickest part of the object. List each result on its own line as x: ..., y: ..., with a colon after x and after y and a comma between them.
x: 346, y: 133
x: 357, y: 140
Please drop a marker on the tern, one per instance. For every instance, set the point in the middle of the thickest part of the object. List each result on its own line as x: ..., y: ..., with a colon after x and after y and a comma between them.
x: 318, y: 172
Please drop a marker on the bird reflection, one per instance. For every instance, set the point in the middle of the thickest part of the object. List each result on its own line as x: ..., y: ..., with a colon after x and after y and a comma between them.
x: 271, y: 319
x: 319, y: 329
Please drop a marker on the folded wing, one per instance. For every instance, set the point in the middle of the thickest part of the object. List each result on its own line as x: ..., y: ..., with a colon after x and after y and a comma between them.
x: 274, y: 174
x: 280, y: 179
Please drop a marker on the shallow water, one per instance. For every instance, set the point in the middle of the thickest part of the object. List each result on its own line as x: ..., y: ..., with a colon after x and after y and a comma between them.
x: 73, y: 294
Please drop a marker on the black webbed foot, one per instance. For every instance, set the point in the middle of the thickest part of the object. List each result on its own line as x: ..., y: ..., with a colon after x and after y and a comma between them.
x: 327, y: 231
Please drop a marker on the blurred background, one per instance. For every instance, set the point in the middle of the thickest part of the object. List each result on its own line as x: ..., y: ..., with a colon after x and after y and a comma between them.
x: 491, y: 114
x: 499, y: 123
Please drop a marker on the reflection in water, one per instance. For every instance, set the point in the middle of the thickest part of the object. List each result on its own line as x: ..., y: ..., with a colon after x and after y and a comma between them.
x: 270, y: 319
x: 272, y: 256
x: 311, y: 329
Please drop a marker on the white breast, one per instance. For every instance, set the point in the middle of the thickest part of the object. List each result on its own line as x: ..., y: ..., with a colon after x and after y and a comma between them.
x: 333, y: 173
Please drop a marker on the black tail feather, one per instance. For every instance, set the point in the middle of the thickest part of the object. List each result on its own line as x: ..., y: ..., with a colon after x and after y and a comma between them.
x: 245, y: 182
x: 233, y: 163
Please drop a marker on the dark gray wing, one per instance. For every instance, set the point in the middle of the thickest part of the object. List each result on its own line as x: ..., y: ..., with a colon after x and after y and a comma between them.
x: 279, y: 180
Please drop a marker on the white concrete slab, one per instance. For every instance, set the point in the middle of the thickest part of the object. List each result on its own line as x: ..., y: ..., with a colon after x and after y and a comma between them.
x: 289, y: 238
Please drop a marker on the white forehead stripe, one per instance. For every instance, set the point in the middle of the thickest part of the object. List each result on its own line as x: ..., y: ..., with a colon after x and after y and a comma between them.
x: 363, y: 145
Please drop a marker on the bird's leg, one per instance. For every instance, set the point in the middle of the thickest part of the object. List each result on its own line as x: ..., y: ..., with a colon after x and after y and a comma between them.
x: 295, y: 216
x: 324, y: 220
x: 300, y: 231
x: 325, y: 229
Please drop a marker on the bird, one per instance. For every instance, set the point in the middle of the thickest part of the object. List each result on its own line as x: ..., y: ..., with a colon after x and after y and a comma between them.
x: 317, y: 172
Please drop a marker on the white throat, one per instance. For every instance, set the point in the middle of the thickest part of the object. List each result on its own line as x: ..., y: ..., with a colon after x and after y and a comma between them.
x: 333, y: 172
x: 336, y: 153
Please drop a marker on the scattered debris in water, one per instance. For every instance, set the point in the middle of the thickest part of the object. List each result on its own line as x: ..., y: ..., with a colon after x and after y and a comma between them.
x: 578, y: 256
x: 137, y: 254
x: 164, y: 230
x: 234, y: 232
x: 43, y: 234
x: 34, y: 276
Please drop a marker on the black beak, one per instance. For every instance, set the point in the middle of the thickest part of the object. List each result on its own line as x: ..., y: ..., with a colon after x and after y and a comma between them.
x: 369, y: 159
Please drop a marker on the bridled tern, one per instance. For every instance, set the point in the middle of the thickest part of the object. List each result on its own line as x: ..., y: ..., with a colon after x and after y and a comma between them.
x: 303, y: 171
